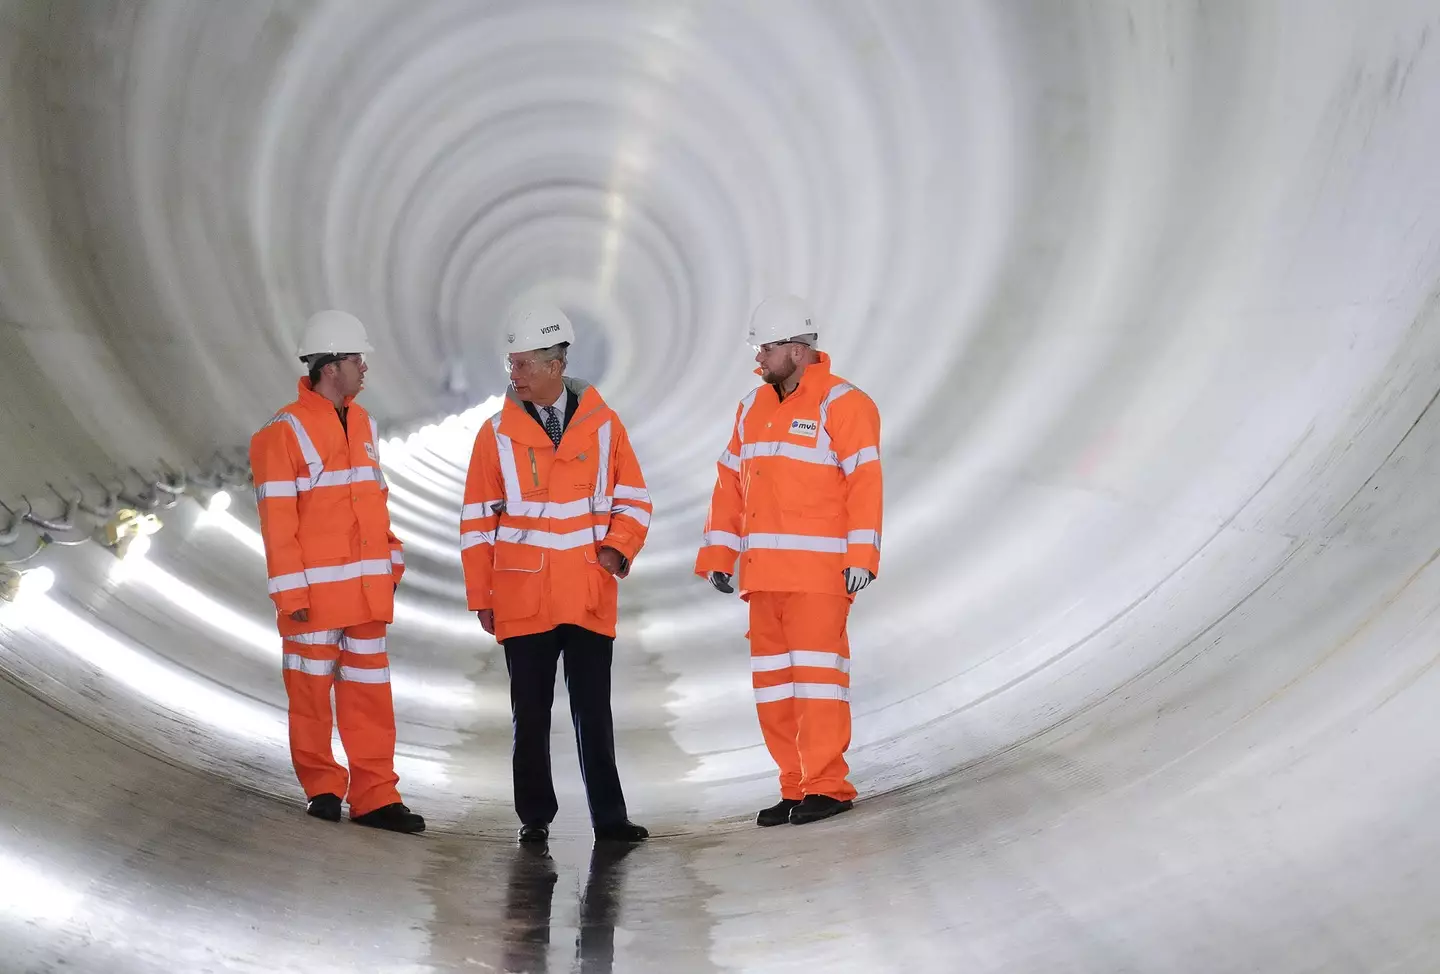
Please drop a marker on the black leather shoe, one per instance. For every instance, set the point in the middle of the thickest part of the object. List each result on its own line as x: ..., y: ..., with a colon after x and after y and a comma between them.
x: 816, y: 807
x: 776, y: 814
x: 623, y: 832
x: 393, y: 818
x: 326, y: 806
x: 534, y: 833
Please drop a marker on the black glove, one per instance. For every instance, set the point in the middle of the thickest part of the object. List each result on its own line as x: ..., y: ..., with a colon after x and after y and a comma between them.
x: 721, y: 581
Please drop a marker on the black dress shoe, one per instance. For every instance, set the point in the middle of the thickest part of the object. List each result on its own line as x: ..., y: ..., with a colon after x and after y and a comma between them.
x: 393, y: 818
x: 326, y: 806
x: 816, y: 807
x: 623, y: 832
x: 534, y: 833
x: 776, y: 814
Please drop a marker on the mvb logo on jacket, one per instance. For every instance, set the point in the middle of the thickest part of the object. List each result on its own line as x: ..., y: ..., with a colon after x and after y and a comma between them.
x: 804, y: 427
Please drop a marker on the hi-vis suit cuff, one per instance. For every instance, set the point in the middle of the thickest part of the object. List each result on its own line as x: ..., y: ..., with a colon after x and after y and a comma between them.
x: 292, y: 600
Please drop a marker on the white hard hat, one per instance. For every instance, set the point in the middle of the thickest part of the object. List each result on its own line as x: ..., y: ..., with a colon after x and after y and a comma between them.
x: 333, y: 333
x: 537, y: 326
x: 781, y: 319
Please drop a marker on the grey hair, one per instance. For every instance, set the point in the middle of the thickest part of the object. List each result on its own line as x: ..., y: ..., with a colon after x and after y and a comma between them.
x: 555, y: 353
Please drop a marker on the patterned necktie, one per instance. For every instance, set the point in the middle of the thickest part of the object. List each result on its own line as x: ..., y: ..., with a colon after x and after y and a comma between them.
x: 552, y: 424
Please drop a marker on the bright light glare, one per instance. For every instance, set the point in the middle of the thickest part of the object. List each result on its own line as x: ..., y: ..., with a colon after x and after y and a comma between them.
x: 136, y: 547
x: 26, y: 891
x: 212, y: 612
x: 234, y: 527
x: 220, y: 502
x: 187, y: 597
x: 173, y: 689
x: 37, y: 581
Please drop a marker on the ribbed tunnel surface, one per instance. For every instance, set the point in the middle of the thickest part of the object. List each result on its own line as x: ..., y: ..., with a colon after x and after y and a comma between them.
x: 1145, y: 293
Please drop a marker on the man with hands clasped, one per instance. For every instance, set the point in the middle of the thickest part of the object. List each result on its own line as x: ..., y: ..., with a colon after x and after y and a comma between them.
x: 556, y: 510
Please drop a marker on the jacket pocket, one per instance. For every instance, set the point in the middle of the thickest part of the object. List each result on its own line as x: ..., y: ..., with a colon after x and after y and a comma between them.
x: 601, y: 594
x: 517, y: 580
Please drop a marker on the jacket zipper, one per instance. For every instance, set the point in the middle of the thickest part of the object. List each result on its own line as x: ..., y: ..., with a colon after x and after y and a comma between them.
x: 534, y: 470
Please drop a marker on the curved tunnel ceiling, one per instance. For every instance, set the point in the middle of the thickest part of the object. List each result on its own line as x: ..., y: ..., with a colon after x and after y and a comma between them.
x: 1145, y: 294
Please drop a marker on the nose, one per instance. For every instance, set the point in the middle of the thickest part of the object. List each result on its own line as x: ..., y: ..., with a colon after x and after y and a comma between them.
x: 759, y: 353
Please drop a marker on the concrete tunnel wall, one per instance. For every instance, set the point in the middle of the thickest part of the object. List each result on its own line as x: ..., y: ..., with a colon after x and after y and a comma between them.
x: 1145, y: 293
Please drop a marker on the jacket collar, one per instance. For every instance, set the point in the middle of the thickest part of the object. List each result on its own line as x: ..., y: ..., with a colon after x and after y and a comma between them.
x: 312, y: 399
x: 520, y: 426
x: 815, y: 374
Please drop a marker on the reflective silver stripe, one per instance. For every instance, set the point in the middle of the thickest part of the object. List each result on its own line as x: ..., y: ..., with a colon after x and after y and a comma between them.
x: 471, y: 539
x: 864, y: 537
x: 623, y: 493
x: 325, y: 637
x: 602, y: 454
x: 506, y: 450
x: 821, y: 691
x: 304, y: 664
x: 804, y: 691
x: 307, y: 447
x: 774, y: 448
x: 638, y: 513
x: 723, y: 538
x: 794, y: 542
x: 859, y: 458
x: 274, y: 488
x: 484, y: 509
x: 397, y: 557
x: 287, y: 583
x: 363, y: 647
x: 344, y: 573
x: 799, y: 657
x: 338, y: 478
x: 380, y: 476
x: 822, y: 440
x: 745, y: 405
x: 730, y: 460
x: 361, y: 674
x: 547, y: 539
x: 557, y: 509
x: 375, y: 436
x: 811, y: 657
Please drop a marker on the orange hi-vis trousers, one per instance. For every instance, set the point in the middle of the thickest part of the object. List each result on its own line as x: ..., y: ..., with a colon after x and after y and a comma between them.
x: 800, y: 666
x: 355, y: 663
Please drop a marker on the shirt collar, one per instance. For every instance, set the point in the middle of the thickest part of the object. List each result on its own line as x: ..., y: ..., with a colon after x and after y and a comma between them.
x: 559, y: 404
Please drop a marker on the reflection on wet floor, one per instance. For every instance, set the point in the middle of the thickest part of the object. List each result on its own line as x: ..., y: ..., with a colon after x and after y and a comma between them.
x: 568, y: 905
x: 529, y: 902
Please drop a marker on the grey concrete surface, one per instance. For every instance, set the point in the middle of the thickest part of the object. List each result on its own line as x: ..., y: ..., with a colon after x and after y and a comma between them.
x: 1146, y: 293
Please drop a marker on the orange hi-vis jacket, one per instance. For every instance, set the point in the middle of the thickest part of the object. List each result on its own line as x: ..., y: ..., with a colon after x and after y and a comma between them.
x: 798, y: 498
x: 536, y: 516
x: 324, y: 517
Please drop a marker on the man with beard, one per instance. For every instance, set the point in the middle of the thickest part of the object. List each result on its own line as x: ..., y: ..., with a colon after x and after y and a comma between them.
x: 334, y: 564
x: 798, y: 501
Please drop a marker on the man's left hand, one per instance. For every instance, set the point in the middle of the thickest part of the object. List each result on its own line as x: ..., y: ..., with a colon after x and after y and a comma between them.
x: 611, y: 561
x: 856, y: 579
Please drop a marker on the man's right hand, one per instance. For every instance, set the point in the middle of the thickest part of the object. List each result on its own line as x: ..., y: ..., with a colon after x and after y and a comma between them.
x: 487, y: 619
x: 721, y: 581
x: 301, y: 615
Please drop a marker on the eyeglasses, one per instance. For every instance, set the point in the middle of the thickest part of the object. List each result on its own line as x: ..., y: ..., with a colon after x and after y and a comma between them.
x: 525, y: 365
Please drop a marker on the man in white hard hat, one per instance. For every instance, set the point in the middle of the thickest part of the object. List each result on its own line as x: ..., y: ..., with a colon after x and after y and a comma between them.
x: 798, y: 501
x: 556, y: 510
x: 334, y: 564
